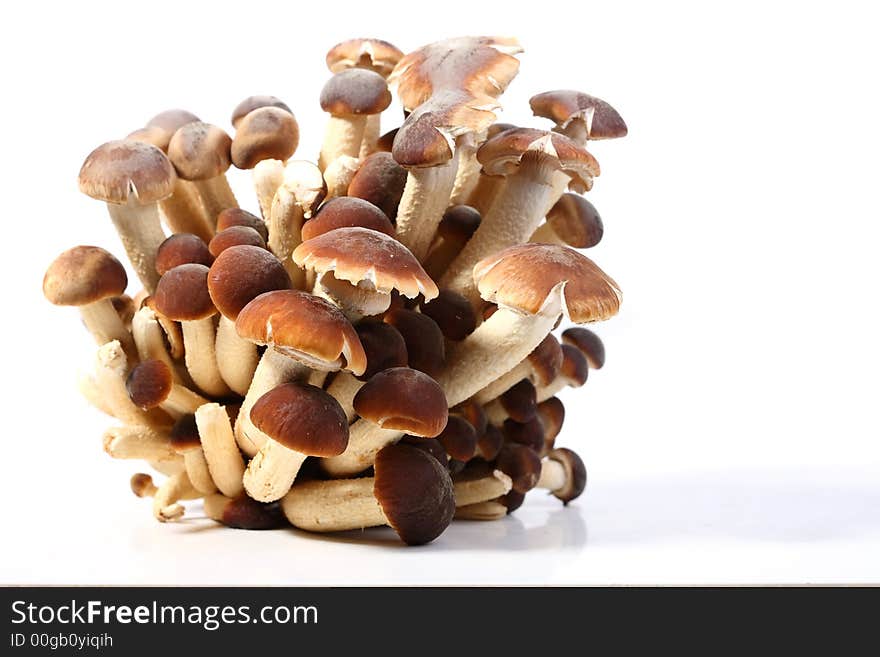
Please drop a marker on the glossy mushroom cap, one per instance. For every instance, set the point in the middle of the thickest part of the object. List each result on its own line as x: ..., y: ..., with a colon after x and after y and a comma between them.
x: 246, y: 513
x: 403, y: 399
x: 303, y: 418
x: 529, y: 433
x: 374, y: 54
x: 552, y: 414
x: 304, y: 327
x: 576, y: 221
x: 425, y: 345
x: 252, y: 103
x: 459, y: 223
x: 200, y: 151
x: 149, y: 383
x: 523, y: 277
x: 241, y: 274
x: 237, y: 217
x: 182, y: 249
x: 546, y: 360
x: 123, y: 171
x: 564, y: 105
x: 520, y: 401
x: 459, y: 439
x: 575, y: 474
x: 379, y: 180
x: 84, y: 275
x: 453, y: 314
x: 521, y: 464
x: 346, y: 212
x: 383, y: 345
x: 589, y: 344
x: 415, y: 492
x: 235, y: 236
x: 182, y: 294
x: 512, y: 500
x: 172, y: 120
x: 430, y: 446
x: 473, y: 412
x: 490, y: 443
x: 267, y: 133
x: 574, y: 366
x: 497, y: 128
x: 355, y: 91
x: 185, y: 434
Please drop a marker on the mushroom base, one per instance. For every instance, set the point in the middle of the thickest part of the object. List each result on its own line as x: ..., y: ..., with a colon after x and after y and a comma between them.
x: 474, y: 491
x: 333, y: 506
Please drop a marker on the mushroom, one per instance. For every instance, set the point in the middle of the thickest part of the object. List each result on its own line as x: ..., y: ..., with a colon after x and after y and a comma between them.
x: 139, y: 442
x: 552, y: 415
x: 473, y: 486
x: 563, y: 474
x: 149, y: 338
x: 573, y: 373
x: 235, y: 236
x: 239, y: 275
x: 529, y: 433
x: 252, y: 103
x: 339, y: 174
x: 182, y: 249
x: 579, y: 116
x: 489, y: 510
x: 395, y: 401
x: 350, y: 96
x: 521, y: 464
x: 457, y: 226
x: 172, y: 119
x: 165, y: 500
x: 301, y: 332
x: 459, y: 439
x: 297, y: 420
x: 379, y: 180
x: 111, y: 368
x: 425, y: 346
x: 474, y: 413
x: 517, y: 402
x: 540, y: 367
x: 453, y: 313
x: 182, y: 296
x: 186, y: 442
x: 588, y: 343
x: 150, y: 384
x: 573, y: 221
x: 242, y: 512
x: 237, y: 217
x: 410, y: 491
x: 225, y: 463
x: 488, y: 185
x: 173, y: 335
x: 142, y: 485
x: 89, y: 277
x: 347, y: 212
x: 131, y: 177
x: 489, y: 443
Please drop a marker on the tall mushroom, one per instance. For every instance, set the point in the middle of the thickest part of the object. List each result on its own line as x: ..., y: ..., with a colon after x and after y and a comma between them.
x: 572, y: 221
x: 579, y: 116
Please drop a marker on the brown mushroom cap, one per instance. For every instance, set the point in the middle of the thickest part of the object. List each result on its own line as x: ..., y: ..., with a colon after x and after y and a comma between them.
x: 430, y: 446
x: 267, y: 133
x: 158, y: 137
x: 490, y: 443
x: 346, y: 212
x: 252, y: 103
x: 386, y: 142
x: 459, y: 439
x: 123, y: 171
x: 403, y: 399
x: 84, y: 275
x: 564, y: 105
x: 302, y: 326
x: 142, y: 484
x: 379, y: 180
x: 459, y: 223
x: 575, y: 474
x: 576, y: 221
x: 246, y: 513
x: 241, y: 274
x: 303, y: 418
x: 185, y: 434
x: 552, y: 414
x: 361, y: 254
x: 425, y: 345
x: 182, y: 294
x: 182, y: 249
x: 546, y: 360
x: 521, y: 464
x: 383, y: 345
x: 355, y: 91
x: 522, y: 277
x: 374, y: 54
x: 149, y: 383
x: 529, y: 433
x: 172, y: 120
x: 453, y: 314
x: 237, y: 217
x: 574, y: 366
x: 200, y: 151
x: 512, y: 500
x: 473, y: 412
x: 235, y: 236
x: 415, y: 493
x: 520, y: 401
x: 498, y: 127
x: 589, y: 344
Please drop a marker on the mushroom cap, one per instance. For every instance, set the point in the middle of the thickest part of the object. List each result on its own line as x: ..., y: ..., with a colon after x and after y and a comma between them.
x: 237, y: 217
x: 552, y: 414
x: 523, y: 277
x: 430, y: 446
x: 383, y: 345
x: 588, y: 343
x: 546, y: 360
x: 403, y: 399
x: 361, y: 254
x: 503, y: 154
x: 304, y: 327
x: 355, y: 91
x: 499, y: 127
x: 459, y: 439
x: 379, y: 180
x: 562, y: 106
x: 200, y: 151
x: 374, y: 54
x: 182, y: 249
x: 172, y: 120
x: 185, y: 434
x: 242, y: 273
x: 574, y: 366
x: 346, y: 212
x: 427, y: 136
x: 520, y: 401
x: 235, y: 236
x: 575, y: 474
x: 142, y: 484
x: 182, y: 294
x: 512, y: 500
x: 252, y: 103
x: 473, y: 412
x: 425, y: 344
x: 158, y: 137
x: 490, y: 443
x: 415, y: 492
x: 149, y: 383
x: 521, y: 464
x: 123, y: 171
x: 84, y: 275
x: 386, y: 141
x: 267, y: 133
x: 303, y: 418
x: 459, y: 223
x: 453, y: 313
x: 246, y: 513
x: 576, y: 221
x: 529, y: 433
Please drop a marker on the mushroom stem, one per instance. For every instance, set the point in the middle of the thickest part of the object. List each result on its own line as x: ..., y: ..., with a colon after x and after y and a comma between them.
x: 141, y: 233
x: 543, y: 393
x: 168, y: 465
x: 149, y: 338
x: 199, y: 338
x: 339, y: 174
x: 286, y: 218
x: 473, y: 491
x: 198, y: 472
x: 490, y: 510
x: 468, y: 174
x: 545, y: 234
x: 134, y: 442
x: 372, y: 130
x: 495, y: 413
x: 503, y: 383
x: 485, y: 191
x: 224, y: 460
x: 271, y: 473
x: 105, y: 325
x: 110, y: 372
x: 142, y: 485
x: 184, y: 213
x: 333, y: 506
x: 343, y: 389
x: 268, y: 176
x: 355, y: 301
x: 343, y: 137
x: 176, y: 487
x: 365, y: 440
x: 216, y: 195
x: 237, y: 358
x: 553, y: 475
x: 182, y: 401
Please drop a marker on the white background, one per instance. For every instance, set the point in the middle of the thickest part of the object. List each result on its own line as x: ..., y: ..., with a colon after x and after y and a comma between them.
x: 731, y: 437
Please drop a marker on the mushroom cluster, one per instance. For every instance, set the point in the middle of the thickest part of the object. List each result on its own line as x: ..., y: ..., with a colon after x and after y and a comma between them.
x: 374, y: 346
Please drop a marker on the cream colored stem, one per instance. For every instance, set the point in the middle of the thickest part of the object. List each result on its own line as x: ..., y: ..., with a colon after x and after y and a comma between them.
x: 543, y: 393
x: 268, y: 176
x: 483, y: 489
x: 339, y: 174
x: 285, y: 232
x: 199, y: 338
x: 197, y: 470
x: 545, y: 234
x: 216, y: 195
x: 89, y: 389
x: 221, y: 453
x: 355, y: 301
x: 317, y: 378
x: 467, y: 177
x: 343, y: 137
x: 271, y: 473
x: 372, y: 131
x: 485, y: 191
x: 111, y: 369
x: 552, y: 475
x: 176, y: 487
x: 495, y: 413
x: 442, y: 253
x: 149, y: 338
x: 141, y: 233
x: 182, y: 401
x: 490, y: 510
x: 150, y: 489
x: 333, y: 506
x: 343, y: 389
x: 504, y: 383
x: 365, y: 440
x: 184, y: 213
x: 168, y: 465
x: 133, y: 442
x: 105, y: 325
x: 237, y: 358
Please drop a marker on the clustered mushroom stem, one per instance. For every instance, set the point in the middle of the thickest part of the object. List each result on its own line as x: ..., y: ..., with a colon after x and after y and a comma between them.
x: 237, y: 358
x: 343, y: 389
x: 89, y: 389
x: 216, y: 195
x: 331, y: 506
x: 365, y: 440
x: 272, y: 471
x: 199, y: 339
x: 105, y: 324
x: 343, y: 137
x: 140, y: 231
x: 197, y: 470
x: 182, y: 401
x: 553, y: 475
x: 503, y: 383
x: 489, y: 510
x: 267, y: 176
x: 483, y: 489
x: 184, y: 213
x: 468, y: 174
x: 224, y: 460
x: 176, y: 487
x: 545, y: 234
x: 138, y: 442
x: 168, y: 465
x: 372, y: 131
x: 149, y: 338
x: 286, y: 218
x: 485, y: 191
x: 110, y: 371
x: 543, y: 393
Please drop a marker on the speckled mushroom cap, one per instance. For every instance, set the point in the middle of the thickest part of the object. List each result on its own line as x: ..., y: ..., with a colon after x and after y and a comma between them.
x: 522, y: 278
x: 383, y: 345
x: 589, y: 344
x: 379, y: 180
x: 520, y: 401
x: 375, y: 54
x: 546, y: 360
x: 346, y: 212
x: 182, y: 249
x: 575, y: 474
x: 425, y: 344
x: 172, y: 120
x: 415, y: 492
x: 529, y: 433
x: 149, y: 383
x: 521, y: 464
x: 303, y: 418
x: 503, y: 154
x: 242, y: 273
x: 403, y: 399
x: 267, y: 133
x: 252, y: 103
x: 360, y: 254
x: 235, y: 236
x: 200, y: 151
x: 185, y: 434
x: 459, y: 223
x: 564, y: 105
x: 453, y: 313
x: 576, y: 221
x: 84, y: 275
x: 237, y: 217
x: 355, y: 91
x: 123, y: 171
x: 182, y: 294
x: 574, y: 366
x: 459, y: 439
x: 158, y: 137
x: 304, y: 327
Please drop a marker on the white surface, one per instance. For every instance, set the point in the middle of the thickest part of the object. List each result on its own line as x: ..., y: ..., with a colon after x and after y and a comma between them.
x: 732, y: 436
